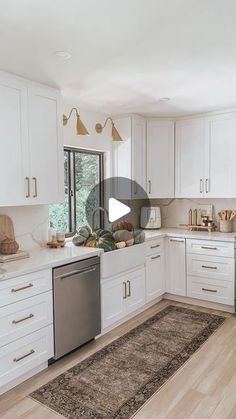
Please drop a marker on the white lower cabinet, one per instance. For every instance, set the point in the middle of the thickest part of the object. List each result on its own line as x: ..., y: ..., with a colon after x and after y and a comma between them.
x: 155, y: 281
x: 26, y: 326
x: 122, y: 295
x: 175, y: 267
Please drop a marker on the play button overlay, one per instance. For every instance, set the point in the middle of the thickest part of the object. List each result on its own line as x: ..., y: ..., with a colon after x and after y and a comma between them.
x: 117, y: 209
x: 112, y: 199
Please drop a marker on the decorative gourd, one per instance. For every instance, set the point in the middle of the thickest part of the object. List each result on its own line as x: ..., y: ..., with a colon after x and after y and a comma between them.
x: 103, y: 239
x: 82, y: 235
x: 122, y: 236
x: 139, y: 236
x: 120, y: 245
x: 123, y: 225
x: 129, y: 242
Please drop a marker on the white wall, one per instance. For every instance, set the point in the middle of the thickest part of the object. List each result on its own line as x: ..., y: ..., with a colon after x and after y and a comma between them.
x: 31, y: 223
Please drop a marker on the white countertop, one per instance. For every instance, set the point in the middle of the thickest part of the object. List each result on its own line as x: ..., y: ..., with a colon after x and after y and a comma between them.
x: 180, y: 232
x: 46, y: 258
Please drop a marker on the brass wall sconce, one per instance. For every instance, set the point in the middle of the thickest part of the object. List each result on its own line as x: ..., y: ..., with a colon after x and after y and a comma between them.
x: 80, y: 127
x: 114, y: 133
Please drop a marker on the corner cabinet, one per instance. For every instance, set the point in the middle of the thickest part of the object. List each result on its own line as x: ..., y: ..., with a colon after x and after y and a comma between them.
x: 160, y: 158
x: 31, y: 158
x: 129, y: 157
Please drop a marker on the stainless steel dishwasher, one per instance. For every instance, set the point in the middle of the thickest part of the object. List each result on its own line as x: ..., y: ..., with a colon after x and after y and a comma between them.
x: 77, y: 310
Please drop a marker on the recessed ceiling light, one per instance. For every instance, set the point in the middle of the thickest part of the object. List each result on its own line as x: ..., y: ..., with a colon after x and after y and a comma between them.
x: 64, y: 55
x: 164, y: 99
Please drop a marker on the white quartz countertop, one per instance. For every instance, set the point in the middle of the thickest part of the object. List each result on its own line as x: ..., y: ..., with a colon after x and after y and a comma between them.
x: 45, y: 258
x: 180, y: 232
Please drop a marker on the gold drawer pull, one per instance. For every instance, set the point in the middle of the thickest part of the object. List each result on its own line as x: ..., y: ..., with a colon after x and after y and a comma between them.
x: 21, y: 288
x: 23, y: 319
x: 31, y: 352
x: 129, y: 288
x: 207, y: 289
x: 209, y: 248
x: 125, y: 285
x: 156, y: 257
x: 177, y: 241
x: 209, y: 267
x: 154, y: 247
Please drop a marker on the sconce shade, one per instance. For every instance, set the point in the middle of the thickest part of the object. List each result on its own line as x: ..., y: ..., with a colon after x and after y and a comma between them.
x: 114, y: 133
x: 80, y: 127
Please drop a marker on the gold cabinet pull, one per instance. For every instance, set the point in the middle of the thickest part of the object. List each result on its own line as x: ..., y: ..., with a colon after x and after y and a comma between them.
x: 22, y: 288
x: 129, y: 289
x: 28, y: 187
x: 177, y: 240
x: 35, y: 187
x: 207, y: 185
x: 207, y: 289
x: 23, y: 319
x: 209, y: 267
x: 201, y: 186
x: 31, y: 352
x: 149, y: 186
x: 209, y: 248
x: 155, y: 246
x: 125, y: 286
x: 156, y: 257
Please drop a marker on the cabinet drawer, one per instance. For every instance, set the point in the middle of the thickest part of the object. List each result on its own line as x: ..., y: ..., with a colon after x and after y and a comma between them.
x: 154, y: 246
x: 16, y: 289
x: 210, y: 290
x: 24, y: 317
x: 210, y: 267
x: 211, y: 248
x: 24, y: 354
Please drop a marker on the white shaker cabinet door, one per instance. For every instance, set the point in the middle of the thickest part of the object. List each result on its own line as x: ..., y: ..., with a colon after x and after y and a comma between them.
x: 176, y: 267
x: 190, y: 158
x: 139, y: 157
x: 112, y: 295
x: 46, y: 146
x: 160, y: 159
x: 155, y: 285
x: 14, y: 176
x: 221, y: 136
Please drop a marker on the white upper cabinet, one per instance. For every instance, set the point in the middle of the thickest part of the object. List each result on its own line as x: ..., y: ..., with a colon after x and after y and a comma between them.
x: 129, y: 157
x: 190, y: 158
x: 45, y: 144
x: 160, y: 159
x: 31, y: 158
x: 221, y: 154
x: 14, y: 141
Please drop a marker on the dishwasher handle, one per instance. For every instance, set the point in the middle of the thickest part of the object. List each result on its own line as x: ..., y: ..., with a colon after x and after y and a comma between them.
x: 78, y: 272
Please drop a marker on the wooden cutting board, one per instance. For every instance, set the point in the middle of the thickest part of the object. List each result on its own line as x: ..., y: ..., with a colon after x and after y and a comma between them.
x: 6, y: 227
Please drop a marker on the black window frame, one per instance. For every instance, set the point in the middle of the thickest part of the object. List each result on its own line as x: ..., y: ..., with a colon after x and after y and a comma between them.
x: 71, y: 180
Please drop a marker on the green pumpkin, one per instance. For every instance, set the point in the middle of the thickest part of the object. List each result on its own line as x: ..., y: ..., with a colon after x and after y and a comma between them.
x: 81, y: 236
x: 139, y: 236
x: 102, y: 239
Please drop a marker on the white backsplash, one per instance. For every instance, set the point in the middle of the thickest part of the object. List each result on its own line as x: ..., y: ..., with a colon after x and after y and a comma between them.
x: 175, y: 211
x: 30, y: 225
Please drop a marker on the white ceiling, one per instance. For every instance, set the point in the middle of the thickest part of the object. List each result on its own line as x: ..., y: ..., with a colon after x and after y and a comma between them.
x: 126, y: 54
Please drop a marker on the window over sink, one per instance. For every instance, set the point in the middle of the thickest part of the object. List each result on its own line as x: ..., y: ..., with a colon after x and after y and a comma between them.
x: 83, y: 170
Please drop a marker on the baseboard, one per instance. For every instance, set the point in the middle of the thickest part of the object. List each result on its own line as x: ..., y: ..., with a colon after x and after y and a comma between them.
x: 201, y: 303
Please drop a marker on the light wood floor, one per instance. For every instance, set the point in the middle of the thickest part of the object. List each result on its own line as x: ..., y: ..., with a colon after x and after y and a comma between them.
x: 205, y: 387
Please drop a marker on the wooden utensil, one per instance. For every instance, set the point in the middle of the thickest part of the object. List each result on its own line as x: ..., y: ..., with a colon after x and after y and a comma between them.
x: 223, y: 215
x: 232, y: 215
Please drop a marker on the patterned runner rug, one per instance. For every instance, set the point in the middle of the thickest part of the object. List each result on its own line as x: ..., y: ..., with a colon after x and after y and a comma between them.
x: 117, y: 380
